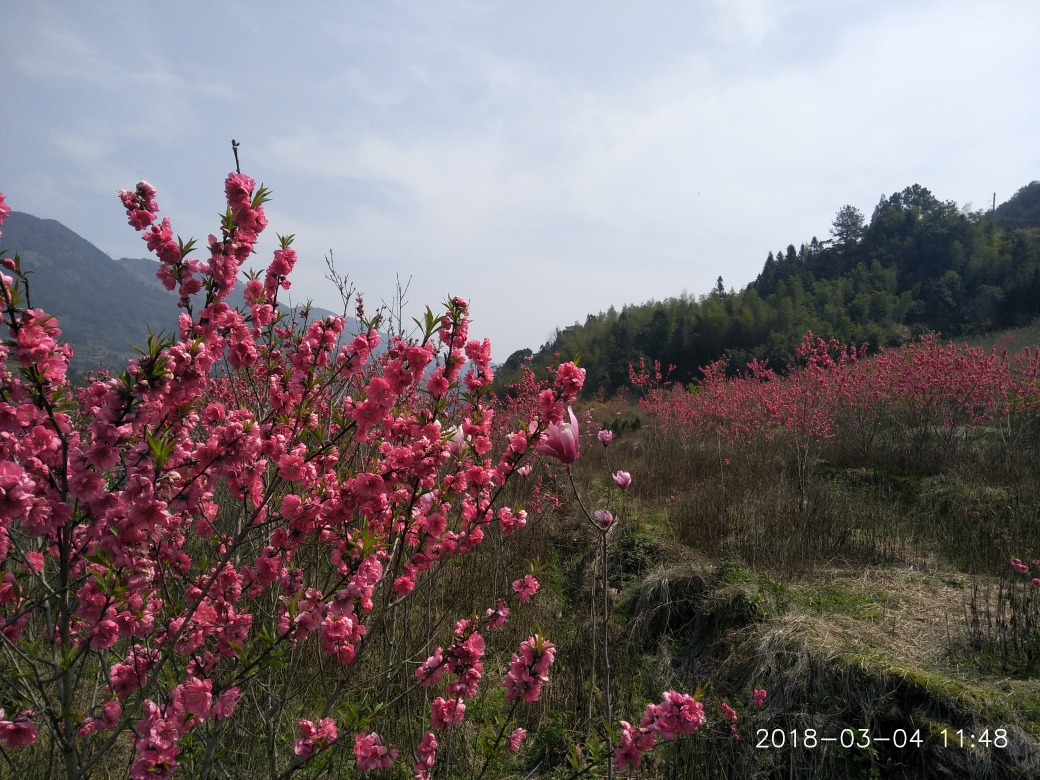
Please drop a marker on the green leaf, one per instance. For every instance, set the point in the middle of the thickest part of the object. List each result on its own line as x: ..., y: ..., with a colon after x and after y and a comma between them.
x: 260, y: 197
x: 186, y: 248
x: 161, y: 446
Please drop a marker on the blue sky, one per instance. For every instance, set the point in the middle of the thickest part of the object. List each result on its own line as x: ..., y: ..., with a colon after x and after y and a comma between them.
x: 545, y: 160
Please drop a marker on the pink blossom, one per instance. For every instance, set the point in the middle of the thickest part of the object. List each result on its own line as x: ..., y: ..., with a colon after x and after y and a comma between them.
x: 758, y: 698
x: 605, y: 436
x: 509, y: 521
x: 104, y: 635
x: 198, y: 698
x: 356, y: 437
x: 603, y: 518
x: 525, y: 470
x: 529, y: 669
x: 526, y: 588
x: 224, y: 707
x: 112, y: 712
x: 570, y: 379
x: 371, y: 753
x: 314, y: 736
x: 562, y: 440
x: 728, y: 712
x: 677, y: 714
x: 496, y: 618
x: 622, y: 479
x: 518, y: 736
x: 291, y: 468
x: 5, y: 210
x: 632, y: 744
x: 16, y: 733
x: 426, y: 757
x: 444, y: 714
x: 431, y: 670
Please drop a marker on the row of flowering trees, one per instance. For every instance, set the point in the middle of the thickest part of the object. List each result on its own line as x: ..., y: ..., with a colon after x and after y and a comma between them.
x: 259, y: 498
x: 927, y: 391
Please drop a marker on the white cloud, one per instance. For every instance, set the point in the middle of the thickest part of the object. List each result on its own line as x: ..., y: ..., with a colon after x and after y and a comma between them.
x: 545, y: 161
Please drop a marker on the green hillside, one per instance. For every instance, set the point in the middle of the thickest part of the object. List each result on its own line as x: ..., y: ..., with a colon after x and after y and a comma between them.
x: 918, y: 264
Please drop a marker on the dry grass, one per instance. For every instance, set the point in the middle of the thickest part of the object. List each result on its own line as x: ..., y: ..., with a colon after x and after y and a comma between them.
x: 853, y: 607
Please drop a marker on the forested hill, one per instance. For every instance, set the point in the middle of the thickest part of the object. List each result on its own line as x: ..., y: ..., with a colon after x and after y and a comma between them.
x: 918, y: 265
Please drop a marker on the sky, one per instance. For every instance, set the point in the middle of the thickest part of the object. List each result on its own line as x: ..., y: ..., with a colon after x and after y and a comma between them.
x: 543, y: 160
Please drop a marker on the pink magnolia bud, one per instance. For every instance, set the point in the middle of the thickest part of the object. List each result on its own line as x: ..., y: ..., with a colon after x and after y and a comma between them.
x: 603, y: 518
x: 622, y: 479
x: 605, y: 436
x: 562, y: 440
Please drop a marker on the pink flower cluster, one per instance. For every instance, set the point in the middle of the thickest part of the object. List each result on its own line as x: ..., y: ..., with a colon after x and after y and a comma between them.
x: 20, y: 731
x: 372, y: 754
x: 314, y: 736
x: 937, y: 390
x: 677, y: 714
x: 758, y: 698
x: 463, y: 661
x: 5, y: 212
x: 730, y: 715
x: 526, y: 587
x: 1023, y: 568
x: 426, y: 757
x: 510, y: 520
x: 529, y: 669
x: 444, y: 713
x: 191, y: 703
x: 632, y: 743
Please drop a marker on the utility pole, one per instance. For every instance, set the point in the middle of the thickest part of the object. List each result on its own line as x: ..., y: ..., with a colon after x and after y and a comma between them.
x: 994, y: 202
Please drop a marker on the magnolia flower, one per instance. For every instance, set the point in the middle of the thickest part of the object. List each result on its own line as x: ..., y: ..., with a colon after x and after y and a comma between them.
x: 524, y: 470
x: 562, y: 440
x: 605, y: 436
x: 455, y: 441
x: 603, y: 518
x: 622, y: 479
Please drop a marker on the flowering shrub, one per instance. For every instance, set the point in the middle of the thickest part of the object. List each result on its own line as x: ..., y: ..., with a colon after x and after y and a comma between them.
x: 260, y: 491
x: 261, y: 483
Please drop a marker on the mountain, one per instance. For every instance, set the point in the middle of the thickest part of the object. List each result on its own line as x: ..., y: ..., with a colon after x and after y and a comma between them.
x: 101, y: 309
x: 104, y: 307
x: 919, y: 264
x: 144, y: 268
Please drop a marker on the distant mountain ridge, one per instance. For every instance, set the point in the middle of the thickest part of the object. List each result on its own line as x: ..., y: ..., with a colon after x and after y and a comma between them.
x: 1021, y: 210
x: 104, y: 307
